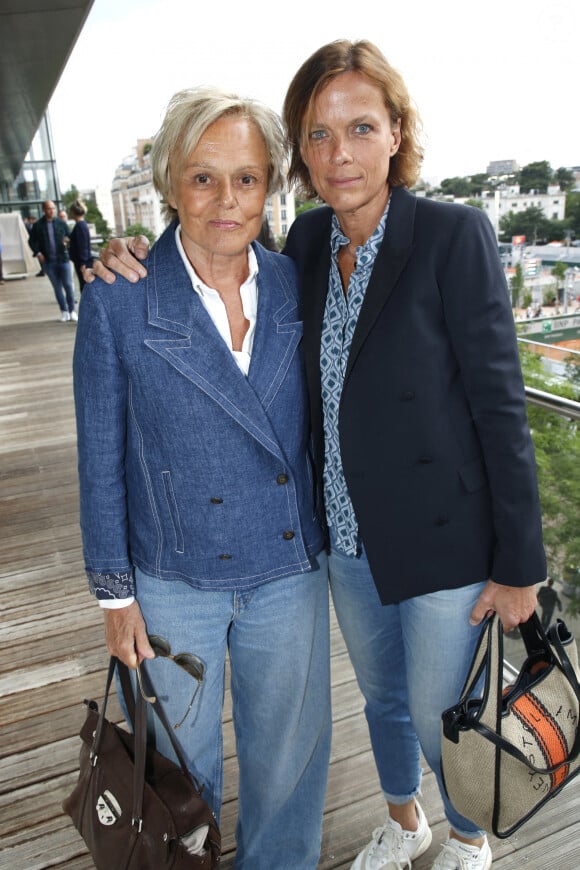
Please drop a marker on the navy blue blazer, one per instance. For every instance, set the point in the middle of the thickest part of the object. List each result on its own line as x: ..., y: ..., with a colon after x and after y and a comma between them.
x: 80, y: 245
x: 434, y: 437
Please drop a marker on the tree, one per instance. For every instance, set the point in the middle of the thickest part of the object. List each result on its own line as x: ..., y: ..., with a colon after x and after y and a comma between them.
x: 93, y: 215
x: 535, y: 176
x: 456, y: 186
x: 474, y: 203
x: 559, y: 273
x: 517, y: 285
x: 139, y: 230
x: 306, y: 205
x: 557, y: 446
x: 573, y: 212
x: 531, y: 223
x: 565, y: 178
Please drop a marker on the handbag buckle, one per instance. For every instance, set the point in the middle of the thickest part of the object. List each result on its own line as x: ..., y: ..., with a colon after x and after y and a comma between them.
x: 137, y: 823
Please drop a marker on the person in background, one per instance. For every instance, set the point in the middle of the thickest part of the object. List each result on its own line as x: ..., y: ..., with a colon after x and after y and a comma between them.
x: 423, y: 452
x: 80, y: 241
x: 49, y: 239
x: 548, y: 600
x: 197, y: 506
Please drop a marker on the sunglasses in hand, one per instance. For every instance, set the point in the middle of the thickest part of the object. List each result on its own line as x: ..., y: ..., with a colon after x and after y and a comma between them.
x: 190, y: 663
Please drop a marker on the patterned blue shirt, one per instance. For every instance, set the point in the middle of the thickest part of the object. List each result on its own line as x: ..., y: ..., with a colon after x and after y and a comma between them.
x: 340, y: 319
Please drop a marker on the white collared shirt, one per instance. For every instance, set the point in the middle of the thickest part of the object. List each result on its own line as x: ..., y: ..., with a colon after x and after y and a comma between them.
x: 212, y: 302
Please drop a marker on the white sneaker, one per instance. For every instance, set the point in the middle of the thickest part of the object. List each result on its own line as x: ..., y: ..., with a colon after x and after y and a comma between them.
x: 393, y: 848
x: 459, y: 856
x: 74, y: 316
x: 64, y: 316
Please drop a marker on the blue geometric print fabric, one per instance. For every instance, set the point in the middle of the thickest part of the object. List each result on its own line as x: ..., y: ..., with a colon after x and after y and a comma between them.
x: 340, y: 319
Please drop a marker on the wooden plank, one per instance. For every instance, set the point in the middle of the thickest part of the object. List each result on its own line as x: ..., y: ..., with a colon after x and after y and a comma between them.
x: 54, y: 656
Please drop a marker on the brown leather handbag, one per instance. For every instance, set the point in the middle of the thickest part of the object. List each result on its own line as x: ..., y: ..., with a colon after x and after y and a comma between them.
x: 134, y: 808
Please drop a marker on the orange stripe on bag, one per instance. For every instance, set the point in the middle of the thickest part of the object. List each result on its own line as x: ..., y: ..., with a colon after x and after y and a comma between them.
x: 547, y: 733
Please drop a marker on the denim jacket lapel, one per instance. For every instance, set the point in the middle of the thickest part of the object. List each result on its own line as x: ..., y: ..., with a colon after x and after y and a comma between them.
x: 195, y: 349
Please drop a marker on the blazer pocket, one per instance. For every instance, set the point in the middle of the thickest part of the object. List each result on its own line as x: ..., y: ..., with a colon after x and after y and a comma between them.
x: 173, y: 511
x: 473, y: 475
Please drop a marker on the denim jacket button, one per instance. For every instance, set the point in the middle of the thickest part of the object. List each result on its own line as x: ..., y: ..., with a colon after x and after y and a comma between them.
x: 224, y: 556
x: 216, y: 500
x: 288, y: 536
x: 281, y: 479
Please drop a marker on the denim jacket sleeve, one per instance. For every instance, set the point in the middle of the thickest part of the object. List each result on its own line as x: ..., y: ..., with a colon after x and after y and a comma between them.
x: 101, y: 400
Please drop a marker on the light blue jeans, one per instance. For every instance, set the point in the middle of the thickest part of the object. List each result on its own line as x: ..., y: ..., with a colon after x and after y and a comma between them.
x: 277, y: 635
x: 60, y: 276
x: 411, y: 661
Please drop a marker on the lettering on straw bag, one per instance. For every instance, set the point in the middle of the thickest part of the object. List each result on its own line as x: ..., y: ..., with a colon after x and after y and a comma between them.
x: 134, y: 808
x: 506, y: 751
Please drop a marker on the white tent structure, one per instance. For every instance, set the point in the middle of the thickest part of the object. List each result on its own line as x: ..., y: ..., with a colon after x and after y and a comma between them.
x: 17, y: 259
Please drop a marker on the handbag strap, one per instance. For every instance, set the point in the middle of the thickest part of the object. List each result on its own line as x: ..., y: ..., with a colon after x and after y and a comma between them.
x: 508, y: 747
x: 536, y: 641
x: 129, y: 697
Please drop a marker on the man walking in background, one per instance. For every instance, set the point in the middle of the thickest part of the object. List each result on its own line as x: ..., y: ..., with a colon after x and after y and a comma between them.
x: 49, y: 240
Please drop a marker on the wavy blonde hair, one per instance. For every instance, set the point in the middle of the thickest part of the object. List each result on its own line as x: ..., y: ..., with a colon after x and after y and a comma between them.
x: 315, y: 73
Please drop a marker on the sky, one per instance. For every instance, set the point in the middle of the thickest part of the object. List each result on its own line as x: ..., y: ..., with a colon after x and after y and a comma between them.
x: 492, y: 80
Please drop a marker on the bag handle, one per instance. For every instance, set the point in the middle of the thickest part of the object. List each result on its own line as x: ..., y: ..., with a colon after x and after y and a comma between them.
x: 129, y: 697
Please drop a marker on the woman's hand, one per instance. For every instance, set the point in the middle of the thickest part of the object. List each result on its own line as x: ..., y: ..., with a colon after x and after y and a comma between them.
x: 513, y: 604
x: 120, y: 256
x: 126, y: 634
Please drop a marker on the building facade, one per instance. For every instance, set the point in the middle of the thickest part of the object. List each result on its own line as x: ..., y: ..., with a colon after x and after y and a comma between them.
x: 498, y: 203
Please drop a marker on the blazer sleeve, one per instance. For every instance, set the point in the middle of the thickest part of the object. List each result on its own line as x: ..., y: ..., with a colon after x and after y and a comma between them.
x: 480, y: 323
x: 101, y: 402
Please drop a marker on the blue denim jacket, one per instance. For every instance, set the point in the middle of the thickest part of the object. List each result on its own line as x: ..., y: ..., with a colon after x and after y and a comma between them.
x: 188, y: 469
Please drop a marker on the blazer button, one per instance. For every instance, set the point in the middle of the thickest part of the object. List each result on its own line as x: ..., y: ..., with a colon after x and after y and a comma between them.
x: 288, y: 536
x: 281, y: 479
x: 407, y: 396
x: 224, y: 556
x: 441, y: 520
x: 216, y: 500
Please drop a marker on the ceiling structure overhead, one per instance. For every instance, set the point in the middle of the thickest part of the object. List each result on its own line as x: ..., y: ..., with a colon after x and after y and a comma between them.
x: 36, y: 39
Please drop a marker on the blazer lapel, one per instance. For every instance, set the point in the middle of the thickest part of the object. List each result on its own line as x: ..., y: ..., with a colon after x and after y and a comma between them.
x: 193, y: 345
x: 391, y: 260
x: 278, y: 328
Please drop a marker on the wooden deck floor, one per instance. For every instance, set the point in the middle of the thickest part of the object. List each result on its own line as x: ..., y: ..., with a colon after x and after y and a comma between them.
x: 52, y: 647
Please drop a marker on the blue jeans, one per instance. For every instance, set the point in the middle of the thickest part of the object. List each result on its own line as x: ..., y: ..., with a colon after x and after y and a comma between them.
x: 60, y: 275
x: 277, y: 635
x: 411, y: 660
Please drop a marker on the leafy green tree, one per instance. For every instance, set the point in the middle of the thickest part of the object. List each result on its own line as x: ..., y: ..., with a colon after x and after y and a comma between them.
x: 559, y: 273
x: 535, y: 176
x: 139, y: 230
x: 517, y: 285
x: 531, y: 223
x: 573, y: 212
x: 557, y: 445
x: 456, y: 186
x: 565, y: 178
x: 306, y: 205
x: 93, y: 215
x: 474, y: 203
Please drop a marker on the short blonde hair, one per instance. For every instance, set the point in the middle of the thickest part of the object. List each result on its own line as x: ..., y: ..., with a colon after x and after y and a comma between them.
x: 315, y: 73
x: 189, y: 114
